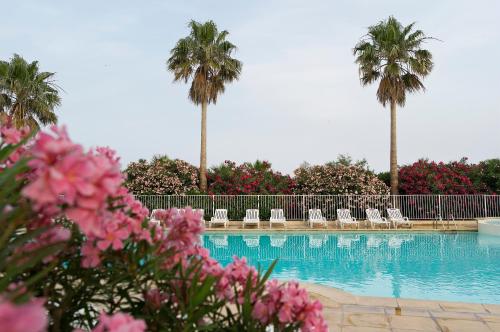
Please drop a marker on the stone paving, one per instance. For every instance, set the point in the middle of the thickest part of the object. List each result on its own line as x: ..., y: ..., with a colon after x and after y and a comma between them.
x: 349, y: 313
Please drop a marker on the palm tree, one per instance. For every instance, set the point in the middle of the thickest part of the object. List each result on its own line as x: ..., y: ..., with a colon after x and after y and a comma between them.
x: 204, y: 57
x: 393, y: 55
x: 27, y: 95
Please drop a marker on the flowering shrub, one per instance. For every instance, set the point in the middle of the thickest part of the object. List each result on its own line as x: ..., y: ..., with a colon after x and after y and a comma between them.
x: 486, y: 175
x: 161, y: 176
x: 248, y: 178
x: 337, y: 179
x: 429, y: 177
x: 78, y: 253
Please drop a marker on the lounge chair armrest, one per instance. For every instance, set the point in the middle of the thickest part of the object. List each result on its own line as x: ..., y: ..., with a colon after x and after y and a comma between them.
x: 384, y: 219
x: 406, y: 219
x: 354, y: 219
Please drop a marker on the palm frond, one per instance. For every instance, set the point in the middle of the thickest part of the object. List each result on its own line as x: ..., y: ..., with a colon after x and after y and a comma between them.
x: 205, y: 58
x: 27, y: 94
x: 393, y: 55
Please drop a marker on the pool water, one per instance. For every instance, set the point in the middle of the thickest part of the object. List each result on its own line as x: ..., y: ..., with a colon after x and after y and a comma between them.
x: 462, y: 266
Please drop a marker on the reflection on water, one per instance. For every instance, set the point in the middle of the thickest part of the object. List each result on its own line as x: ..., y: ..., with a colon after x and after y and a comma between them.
x: 455, y: 267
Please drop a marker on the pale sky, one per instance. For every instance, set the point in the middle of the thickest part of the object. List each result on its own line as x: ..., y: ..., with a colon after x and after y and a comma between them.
x: 299, y: 97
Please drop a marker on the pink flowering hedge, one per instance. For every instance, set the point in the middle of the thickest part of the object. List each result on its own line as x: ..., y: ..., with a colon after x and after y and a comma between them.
x: 161, y: 176
x: 337, y: 179
x: 453, y: 178
x: 78, y: 253
x: 248, y: 178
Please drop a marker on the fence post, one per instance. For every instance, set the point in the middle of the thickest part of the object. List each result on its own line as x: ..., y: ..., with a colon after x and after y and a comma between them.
x: 213, y: 205
x: 168, y: 201
x: 485, y: 207
x: 303, y: 208
x: 439, y: 203
x: 258, y: 203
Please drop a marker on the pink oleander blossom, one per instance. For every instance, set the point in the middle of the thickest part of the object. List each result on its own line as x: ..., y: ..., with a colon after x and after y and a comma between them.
x: 65, y: 174
x: 114, y: 235
x: 235, y: 279
x: 119, y: 322
x: 91, y: 256
x: 27, y: 317
x: 290, y: 304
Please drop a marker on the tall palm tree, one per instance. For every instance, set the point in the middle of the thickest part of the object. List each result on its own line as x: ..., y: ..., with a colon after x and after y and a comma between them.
x: 204, y: 57
x: 393, y: 55
x: 26, y: 94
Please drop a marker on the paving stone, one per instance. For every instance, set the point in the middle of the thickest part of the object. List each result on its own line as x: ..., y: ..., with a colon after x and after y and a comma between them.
x: 462, y: 307
x: 453, y: 314
x: 326, y: 301
x: 489, y: 318
x: 377, y: 301
x: 366, y: 319
x: 363, y: 309
x: 410, y: 303
x: 495, y: 327
x: 363, y: 329
x: 462, y: 325
x: 413, y: 323
x: 332, y: 316
x: 493, y: 308
x: 419, y: 312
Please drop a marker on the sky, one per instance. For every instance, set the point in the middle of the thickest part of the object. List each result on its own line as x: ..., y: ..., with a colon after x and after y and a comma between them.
x: 299, y: 97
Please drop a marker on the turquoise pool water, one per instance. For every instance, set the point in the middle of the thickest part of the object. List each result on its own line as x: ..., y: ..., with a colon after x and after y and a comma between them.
x: 436, y: 266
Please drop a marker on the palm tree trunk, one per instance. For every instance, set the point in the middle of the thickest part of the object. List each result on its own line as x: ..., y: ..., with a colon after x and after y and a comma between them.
x: 203, y: 153
x: 394, y: 151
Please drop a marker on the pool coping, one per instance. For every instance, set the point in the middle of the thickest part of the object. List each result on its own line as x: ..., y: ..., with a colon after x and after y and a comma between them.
x: 298, y: 225
x: 348, y: 312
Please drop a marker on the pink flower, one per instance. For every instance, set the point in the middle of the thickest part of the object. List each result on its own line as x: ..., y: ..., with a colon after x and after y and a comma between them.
x: 10, y: 135
x: 114, y: 235
x: 261, y: 313
x: 91, y: 255
x: 119, y: 322
x: 27, y: 317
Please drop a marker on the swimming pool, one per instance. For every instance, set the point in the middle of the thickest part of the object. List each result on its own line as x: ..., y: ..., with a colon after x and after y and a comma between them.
x: 462, y: 266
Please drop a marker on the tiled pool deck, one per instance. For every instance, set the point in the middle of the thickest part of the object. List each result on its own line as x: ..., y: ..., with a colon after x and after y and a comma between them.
x: 424, y: 225
x: 349, y: 313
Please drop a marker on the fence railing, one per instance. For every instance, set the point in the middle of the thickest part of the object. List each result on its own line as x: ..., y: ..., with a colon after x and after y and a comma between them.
x: 295, y: 207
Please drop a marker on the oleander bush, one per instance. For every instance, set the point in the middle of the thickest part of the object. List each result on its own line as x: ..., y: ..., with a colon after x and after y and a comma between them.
x: 486, y: 174
x: 161, y: 176
x: 337, y: 179
x: 453, y: 178
x: 248, y: 178
x: 78, y: 253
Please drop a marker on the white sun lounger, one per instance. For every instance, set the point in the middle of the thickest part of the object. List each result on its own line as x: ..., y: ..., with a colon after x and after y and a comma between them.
x: 251, y: 218
x: 219, y: 218
x: 201, y: 212
x: 277, y: 217
x: 374, y: 218
x: 344, y: 218
x: 397, y: 218
x: 315, y: 217
x: 154, y: 219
